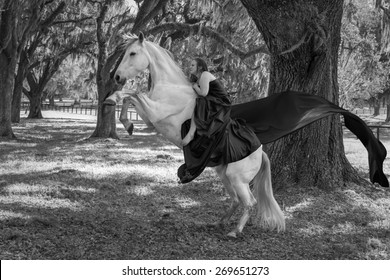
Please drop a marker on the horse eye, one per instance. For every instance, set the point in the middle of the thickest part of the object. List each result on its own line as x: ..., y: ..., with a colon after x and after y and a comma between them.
x: 132, y: 53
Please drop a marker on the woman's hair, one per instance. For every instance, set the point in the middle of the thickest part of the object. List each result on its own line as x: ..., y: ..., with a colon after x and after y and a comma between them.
x: 201, y: 64
x: 193, y: 78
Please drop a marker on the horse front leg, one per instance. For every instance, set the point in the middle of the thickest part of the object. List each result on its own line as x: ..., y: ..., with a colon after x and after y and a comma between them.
x: 129, y: 126
x: 118, y: 96
x: 115, y: 99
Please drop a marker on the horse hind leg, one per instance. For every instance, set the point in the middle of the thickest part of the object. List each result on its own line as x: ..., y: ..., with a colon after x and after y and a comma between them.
x: 268, y: 210
x: 240, y: 174
x: 248, y: 201
x: 234, y: 201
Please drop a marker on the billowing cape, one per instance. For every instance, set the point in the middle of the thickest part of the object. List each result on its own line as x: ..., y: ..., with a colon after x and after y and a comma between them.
x: 280, y: 114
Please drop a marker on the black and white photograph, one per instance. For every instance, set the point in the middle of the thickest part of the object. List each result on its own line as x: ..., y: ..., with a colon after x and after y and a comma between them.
x: 194, y: 139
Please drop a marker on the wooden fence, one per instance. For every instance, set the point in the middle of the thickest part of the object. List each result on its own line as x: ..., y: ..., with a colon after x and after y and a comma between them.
x: 88, y: 107
x: 83, y: 108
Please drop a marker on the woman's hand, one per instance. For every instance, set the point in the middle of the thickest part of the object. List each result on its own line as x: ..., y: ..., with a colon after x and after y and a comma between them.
x: 196, y: 87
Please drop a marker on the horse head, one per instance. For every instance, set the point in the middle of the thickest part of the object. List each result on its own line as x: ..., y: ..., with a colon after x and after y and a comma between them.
x: 134, y: 61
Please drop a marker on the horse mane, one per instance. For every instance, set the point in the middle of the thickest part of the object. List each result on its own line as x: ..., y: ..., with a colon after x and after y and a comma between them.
x: 163, y: 57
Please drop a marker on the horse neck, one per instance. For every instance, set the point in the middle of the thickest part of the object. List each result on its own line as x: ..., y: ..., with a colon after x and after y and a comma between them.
x: 163, y: 69
x: 165, y: 75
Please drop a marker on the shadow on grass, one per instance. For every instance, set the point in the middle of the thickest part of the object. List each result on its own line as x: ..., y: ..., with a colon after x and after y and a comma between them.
x: 71, y: 198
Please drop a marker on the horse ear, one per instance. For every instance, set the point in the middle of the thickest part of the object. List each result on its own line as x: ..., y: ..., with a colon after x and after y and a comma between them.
x: 141, y: 37
x: 168, y: 43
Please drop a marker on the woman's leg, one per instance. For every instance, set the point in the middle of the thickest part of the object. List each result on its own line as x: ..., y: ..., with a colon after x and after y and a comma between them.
x: 190, y: 135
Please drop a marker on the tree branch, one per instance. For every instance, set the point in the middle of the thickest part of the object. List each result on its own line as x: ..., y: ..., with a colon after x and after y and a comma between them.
x: 207, y: 32
x: 53, y: 15
x: 386, y: 11
x: 147, y: 12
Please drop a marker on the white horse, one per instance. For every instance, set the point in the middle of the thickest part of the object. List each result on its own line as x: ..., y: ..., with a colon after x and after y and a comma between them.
x: 170, y: 102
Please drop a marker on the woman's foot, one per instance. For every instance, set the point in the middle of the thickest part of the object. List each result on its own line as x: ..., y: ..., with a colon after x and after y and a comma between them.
x: 184, y: 175
x: 187, y: 177
x: 188, y: 138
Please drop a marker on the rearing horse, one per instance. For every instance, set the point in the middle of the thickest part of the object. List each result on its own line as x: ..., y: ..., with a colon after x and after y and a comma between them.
x: 170, y: 102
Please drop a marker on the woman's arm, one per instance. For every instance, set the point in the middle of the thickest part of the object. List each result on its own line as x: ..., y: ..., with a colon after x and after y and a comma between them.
x: 203, y: 88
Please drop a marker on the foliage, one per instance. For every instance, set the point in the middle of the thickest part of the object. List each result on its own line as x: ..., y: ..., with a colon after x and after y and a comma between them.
x: 75, y: 79
x: 362, y: 73
x: 245, y: 76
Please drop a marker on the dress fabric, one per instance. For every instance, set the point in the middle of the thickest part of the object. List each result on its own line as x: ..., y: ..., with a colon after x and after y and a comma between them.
x: 280, y: 114
x: 218, y: 138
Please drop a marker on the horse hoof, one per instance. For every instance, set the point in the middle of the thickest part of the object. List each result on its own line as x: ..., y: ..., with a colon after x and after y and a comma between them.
x: 232, y: 234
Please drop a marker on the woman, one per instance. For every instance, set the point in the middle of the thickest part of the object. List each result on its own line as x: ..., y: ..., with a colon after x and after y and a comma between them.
x: 211, y: 137
x: 218, y: 97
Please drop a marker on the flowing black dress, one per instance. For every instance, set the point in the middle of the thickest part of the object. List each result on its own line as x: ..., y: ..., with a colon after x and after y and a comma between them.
x: 218, y: 138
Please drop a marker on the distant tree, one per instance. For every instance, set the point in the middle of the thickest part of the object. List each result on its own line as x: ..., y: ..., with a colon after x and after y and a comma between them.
x: 114, y: 19
x: 47, y: 14
x: 384, y: 6
x: 18, y: 19
x: 75, y: 79
x: 48, y: 62
x: 363, y: 74
x: 58, y: 36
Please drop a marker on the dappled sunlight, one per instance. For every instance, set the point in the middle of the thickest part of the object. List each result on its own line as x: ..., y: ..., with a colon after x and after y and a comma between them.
x: 345, y: 228
x: 27, y: 166
x: 6, y: 215
x: 126, y: 172
x: 45, y: 188
x: 313, y: 230
x: 140, y: 190
x: 16, y: 144
x: 92, y: 195
x: 186, y: 202
x: 41, y: 202
x: 301, y: 206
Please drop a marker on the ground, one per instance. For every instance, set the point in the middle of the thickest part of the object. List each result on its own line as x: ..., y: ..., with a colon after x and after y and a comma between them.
x: 64, y: 196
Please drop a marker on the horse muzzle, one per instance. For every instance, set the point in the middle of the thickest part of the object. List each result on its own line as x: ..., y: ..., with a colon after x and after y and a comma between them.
x: 119, y: 80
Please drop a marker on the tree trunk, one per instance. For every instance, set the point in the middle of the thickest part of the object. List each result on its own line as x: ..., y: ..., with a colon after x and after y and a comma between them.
x: 377, y: 108
x: 16, y: 101
x: 7, y: 65
x: 35, y: 106
x: 18, y: 88
x: 387, y: 113
x: 8, y: 61
x: 106, y: 121
x: 303, y: 38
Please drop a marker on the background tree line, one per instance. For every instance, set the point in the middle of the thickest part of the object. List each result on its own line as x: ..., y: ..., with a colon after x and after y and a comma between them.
x: 336, y: 49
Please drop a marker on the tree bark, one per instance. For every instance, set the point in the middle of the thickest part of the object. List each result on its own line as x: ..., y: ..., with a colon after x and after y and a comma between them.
x: 303, y: 38
x: 387, y: 113
x: 7, y: 83
x: 387, y: 103
x: 35, y: 106
x: 8, y: 61
x: 18, y: 88
x: 377, y: 108
x: 106, y: 121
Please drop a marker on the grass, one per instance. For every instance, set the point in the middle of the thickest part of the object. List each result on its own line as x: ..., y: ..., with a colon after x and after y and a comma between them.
x: 63, y: 196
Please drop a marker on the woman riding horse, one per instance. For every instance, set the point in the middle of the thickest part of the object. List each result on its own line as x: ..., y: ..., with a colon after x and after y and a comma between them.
x: 213, y: 137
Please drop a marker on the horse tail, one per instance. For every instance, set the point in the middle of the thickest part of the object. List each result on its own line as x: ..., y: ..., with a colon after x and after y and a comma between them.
x: 268, y: 210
